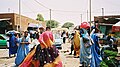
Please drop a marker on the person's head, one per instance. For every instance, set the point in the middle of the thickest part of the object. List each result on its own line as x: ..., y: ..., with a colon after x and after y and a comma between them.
x: 16, y: 35
x: 41, y: 30
x: 48, y: 28
x: 26, y: 33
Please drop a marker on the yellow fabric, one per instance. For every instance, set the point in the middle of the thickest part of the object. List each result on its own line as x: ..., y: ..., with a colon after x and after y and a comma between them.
x: 77, y: 43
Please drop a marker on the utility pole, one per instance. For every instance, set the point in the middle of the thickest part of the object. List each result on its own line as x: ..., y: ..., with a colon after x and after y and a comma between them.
x: 102, y: 12
x: 90, y: 10
x: 8, y: 9
x: 90, y: 13
x: 19, y: 16
x: 87, y: 15
x: 50, y: 17
x: 81, y: 18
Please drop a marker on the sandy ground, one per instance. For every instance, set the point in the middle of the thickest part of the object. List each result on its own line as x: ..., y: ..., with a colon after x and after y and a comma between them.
x: 5, y: 61
x: 68, y: 60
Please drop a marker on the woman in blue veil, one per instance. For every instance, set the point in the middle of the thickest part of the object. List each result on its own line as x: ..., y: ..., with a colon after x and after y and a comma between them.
x: 95, y: 50
x: 85, y: 50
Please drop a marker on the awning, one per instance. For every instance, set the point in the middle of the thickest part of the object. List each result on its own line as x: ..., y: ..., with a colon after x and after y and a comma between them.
x: 116, y: 27
x: 4, y: 19
x: 32, y: 25
x: 4, y: 23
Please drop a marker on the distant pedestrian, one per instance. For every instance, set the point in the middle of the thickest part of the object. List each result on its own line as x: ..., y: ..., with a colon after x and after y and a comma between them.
x: 72, y: 43
x: 76, y: 43
x: 23, y: 48
x: 13, y: 45
x: 64, y: 36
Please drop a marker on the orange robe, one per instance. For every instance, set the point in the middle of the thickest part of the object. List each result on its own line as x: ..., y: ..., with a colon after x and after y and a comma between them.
x: 77, y: 43
x: 46, y: 40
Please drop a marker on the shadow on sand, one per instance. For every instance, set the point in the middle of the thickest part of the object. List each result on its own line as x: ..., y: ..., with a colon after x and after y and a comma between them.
x: 4, y: 57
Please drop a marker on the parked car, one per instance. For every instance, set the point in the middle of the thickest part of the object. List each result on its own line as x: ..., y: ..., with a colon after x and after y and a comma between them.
x: 58, y: 41
x: 4, y: 41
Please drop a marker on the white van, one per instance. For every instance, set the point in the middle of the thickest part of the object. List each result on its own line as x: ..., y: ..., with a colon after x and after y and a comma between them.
x: 58, y: 40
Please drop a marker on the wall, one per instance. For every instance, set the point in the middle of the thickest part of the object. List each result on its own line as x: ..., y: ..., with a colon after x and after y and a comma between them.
x: 14, y: 19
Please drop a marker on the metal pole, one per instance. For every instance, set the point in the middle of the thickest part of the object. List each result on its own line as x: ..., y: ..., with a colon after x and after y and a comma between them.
x: 8, y: 9
x: 19, y: 14
x: 87, y: 15
x: 81, y: 18
x: 50, y: 17
x: 90, y: 11
x: 90, y: 15
x: 102, y: 11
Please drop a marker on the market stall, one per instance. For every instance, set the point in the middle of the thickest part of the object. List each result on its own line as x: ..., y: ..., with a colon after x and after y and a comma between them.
x: 116, y: 27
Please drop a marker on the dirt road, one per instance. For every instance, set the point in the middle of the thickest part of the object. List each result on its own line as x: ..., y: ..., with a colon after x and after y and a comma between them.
x: 68, y: 60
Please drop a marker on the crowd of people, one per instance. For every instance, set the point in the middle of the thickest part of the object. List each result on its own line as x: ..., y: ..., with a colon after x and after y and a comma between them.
x: 43, y: 54
x: 86, y: 46
x: 84, y: 43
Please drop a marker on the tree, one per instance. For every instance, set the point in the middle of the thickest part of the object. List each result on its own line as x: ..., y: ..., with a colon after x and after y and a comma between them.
x: 52, y: 23
x: 67, y: 25
x: 40, y: 17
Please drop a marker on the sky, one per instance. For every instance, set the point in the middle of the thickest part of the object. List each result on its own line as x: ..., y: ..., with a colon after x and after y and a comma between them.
x: 62, y: 10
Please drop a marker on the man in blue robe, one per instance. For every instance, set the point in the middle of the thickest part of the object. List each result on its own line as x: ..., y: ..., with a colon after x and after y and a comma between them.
x: 95, y: 50
x: 12, y: 45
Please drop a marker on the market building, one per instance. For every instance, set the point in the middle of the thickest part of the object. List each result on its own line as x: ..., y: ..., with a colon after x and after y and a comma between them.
x: 105, y: 23
x: 10, y: 21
